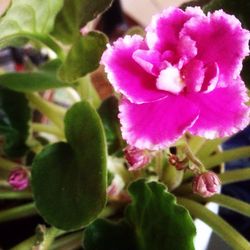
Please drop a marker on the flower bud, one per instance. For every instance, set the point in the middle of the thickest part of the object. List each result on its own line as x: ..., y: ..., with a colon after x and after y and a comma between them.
x: 206, y: 184
x: 176, y: 162
x: 136, y: 158
x: 19, y: 178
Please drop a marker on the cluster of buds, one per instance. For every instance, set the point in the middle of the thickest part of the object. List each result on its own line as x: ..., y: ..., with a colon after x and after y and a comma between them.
x: 205, y: 183
x: 19, y: 178
x: 136, y: 158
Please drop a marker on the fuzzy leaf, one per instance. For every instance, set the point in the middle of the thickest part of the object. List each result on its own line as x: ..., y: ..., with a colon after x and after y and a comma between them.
x: 153, y: 221
x: 105, y: 235
x: 28, y: 16
x: 69, y: 179
x: 83, y: 57
x: 14, y: 122
x: 44, y: 78
x: 74, y: 15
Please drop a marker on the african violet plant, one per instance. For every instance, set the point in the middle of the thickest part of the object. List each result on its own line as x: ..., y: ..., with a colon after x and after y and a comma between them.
x: 133, y: 171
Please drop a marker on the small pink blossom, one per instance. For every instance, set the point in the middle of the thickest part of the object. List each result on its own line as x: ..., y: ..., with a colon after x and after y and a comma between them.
x: 206, y: 184
x: 19, y: 178
x: 136, y: 158
x: 184, y: 76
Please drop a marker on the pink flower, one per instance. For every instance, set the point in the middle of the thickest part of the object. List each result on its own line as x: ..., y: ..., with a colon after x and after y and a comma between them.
x: 184, y: 76
x: 206, y: 184
x: 136, y: 158
x: 19, y: 178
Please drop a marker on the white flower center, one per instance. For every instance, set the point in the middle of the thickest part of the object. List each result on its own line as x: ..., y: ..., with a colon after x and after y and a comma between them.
x: 170, y: 80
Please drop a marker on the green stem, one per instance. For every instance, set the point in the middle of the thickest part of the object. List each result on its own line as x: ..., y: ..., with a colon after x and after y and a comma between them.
x: 7, y: 164
x: 228, y: 155
x: 15, y: 195
x: 235, y: 175
x: 31, y: 242
x: 72, y: 241
x: 50, y: 129
x: 231, y: 203
x: 88, y: 92
x: 220, y: 226
x: 159, y: 163
x: 198, y: 166
x: 26, y: 244
x: 18, y: 212
x: 184, y: 189
x: 54, y: 112
x: 225, y: 201
x: 49, y: 237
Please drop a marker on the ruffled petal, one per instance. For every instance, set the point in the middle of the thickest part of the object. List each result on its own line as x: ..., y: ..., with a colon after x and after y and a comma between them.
x: 222, y: 111
x: 149, y: 60
x: 158, y: 124
x: 163, y: 31
x: 219, y: 38
x: 126, y: 75
x: 193, y: 74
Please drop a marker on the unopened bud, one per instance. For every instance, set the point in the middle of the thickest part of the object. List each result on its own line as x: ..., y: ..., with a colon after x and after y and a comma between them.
x: 136, y: 158
x: 206, y: 184
x: 19, y: 178
x: 176, y: 162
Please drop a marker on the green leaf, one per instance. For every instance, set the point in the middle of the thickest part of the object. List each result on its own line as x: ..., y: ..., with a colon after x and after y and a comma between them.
x: 153, y: 217
x: 158, y: 222
x: 108, y: 112
x: 105, y: 235
x: 69, y: 179
x: 28, y: 16
x: 239, y: 8
x: 83, y: 57
x: 74, y: 15
x: 44, y: 78
x: 14, y: 126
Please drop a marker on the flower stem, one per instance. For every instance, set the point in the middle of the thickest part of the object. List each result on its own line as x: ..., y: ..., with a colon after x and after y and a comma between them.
x: 225, y: 156
x: 18, y: 212
x: 54, y: 112
x: 15, y: 195
x: 50, y: 129
x: 88, y: 92
x: 72, y: 241
x: 31, y: 242
x: 225, y: 201
x: 228, y: 155
x: 159, y: 163
x: 231, y: 203
x: 7, y: 164
x: 49, y: 237
x: 220, y: 226
x: 198, y: 165
x: 235, y: 175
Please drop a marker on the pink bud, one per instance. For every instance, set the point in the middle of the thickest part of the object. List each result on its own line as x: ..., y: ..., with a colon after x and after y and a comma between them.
x: 206, y: 184
x: 176, y: 162
x: 19, y: 178
x: 136, y: 158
